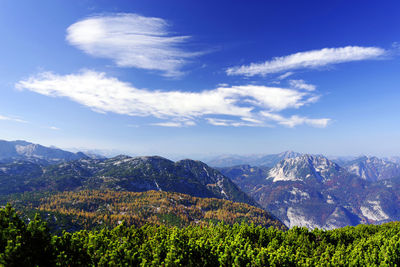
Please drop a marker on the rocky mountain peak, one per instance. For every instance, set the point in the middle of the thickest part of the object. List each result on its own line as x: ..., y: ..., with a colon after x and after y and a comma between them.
x: 302, y: 168
x: 289, y: 154
x: 22, y: 150
x: 373, y: 169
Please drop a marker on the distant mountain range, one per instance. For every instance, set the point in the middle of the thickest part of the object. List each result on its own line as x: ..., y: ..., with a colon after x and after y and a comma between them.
x: 22, y: 150
x: 373, y: 168
x: 253, y: 160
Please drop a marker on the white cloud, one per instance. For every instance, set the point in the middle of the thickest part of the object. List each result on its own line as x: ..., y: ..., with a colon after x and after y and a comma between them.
x: 107, y: 94
x: 131, y: 40
x: 7, y: 118
x: 308, y: 59
x: 218, y: 122
x: 285, y: 75
x: 296, y: 120
x: 236, y: 123
x: 301, y: 84
x: 54, y: 128
x: 168, y: 124
x: 175, y: 123
x: 223, y: 85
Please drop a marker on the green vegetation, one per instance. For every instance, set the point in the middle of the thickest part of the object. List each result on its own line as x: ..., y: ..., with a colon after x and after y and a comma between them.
x: 213, y: 245
x: 95, y: 209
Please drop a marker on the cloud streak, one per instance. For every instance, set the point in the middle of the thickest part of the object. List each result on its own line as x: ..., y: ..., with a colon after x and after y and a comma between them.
x: 180, y: 108
x: 7, y: 118
x: 285, y: 75
x: 236, y: 123
x: 131, y: 40
x: 308, y: 59
x: 295, y: 120
x: 301, y: 84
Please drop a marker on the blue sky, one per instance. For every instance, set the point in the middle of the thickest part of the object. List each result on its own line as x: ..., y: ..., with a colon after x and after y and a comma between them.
x: 194, y: 78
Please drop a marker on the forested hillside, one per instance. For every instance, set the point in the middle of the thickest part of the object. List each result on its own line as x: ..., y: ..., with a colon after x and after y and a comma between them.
x: 213, y: 245
x: 94, y: 209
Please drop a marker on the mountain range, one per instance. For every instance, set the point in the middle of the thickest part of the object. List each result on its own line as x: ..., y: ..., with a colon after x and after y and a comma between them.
x: 268, y: 160
x: 313, y: 191
x: 298, y: 189
x: 121, y: 173
x: 373, y: 168
x: 22, y: 150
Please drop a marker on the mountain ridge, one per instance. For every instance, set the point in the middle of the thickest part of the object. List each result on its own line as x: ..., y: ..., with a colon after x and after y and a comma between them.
x: 124, y: 173
x: 265, y: 160
x: 315, y: 192
x: 23, y: 150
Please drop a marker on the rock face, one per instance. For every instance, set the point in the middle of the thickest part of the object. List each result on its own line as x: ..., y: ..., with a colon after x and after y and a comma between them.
x: 122, y: 173
x: 373, y: 168
x: 304, y: 167
x: 22, y: 150
x: 315, y: 192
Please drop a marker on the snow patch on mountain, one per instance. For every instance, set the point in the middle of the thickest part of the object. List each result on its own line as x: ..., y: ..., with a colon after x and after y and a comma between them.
x: 220, y: 184
x: 296, y: 217
x: 26, y: 150
x: 158, y: 187
x: 330, y: 200
x: 297, y: 195
x: 204, y: 168
x: 373, y: 211
x: 119, y: 162
x: 279, y: 174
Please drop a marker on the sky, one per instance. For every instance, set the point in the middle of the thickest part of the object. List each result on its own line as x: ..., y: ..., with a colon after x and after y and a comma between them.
x: 201, y: 78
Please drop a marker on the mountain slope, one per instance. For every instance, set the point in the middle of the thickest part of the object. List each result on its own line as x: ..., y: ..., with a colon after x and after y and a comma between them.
x: 309, y: 191
x: 246, y: 176
x: 123, y: 173
x: 373, y: 168
x: 304, y: 167
x: 22, y: 150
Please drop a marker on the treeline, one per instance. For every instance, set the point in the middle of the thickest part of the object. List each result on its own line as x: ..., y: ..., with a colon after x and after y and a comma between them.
x: 214, y: 245
x: 95, y: 209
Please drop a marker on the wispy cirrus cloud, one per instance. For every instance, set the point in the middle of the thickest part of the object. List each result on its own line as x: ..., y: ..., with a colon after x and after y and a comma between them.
x: 131, y: 40
x: 179, y: 108
x: 168, y: 124
x: 301, y: 84
x: 296, y: 120
x: 54, y: 128
x: 285, y: 75
x: 308, y: 59
x: 236, y: 123
x: 14, y: 119
x: 180, y: 122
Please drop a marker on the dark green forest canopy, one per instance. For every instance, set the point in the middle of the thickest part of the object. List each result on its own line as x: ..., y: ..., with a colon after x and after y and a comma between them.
x: 213, y: 245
